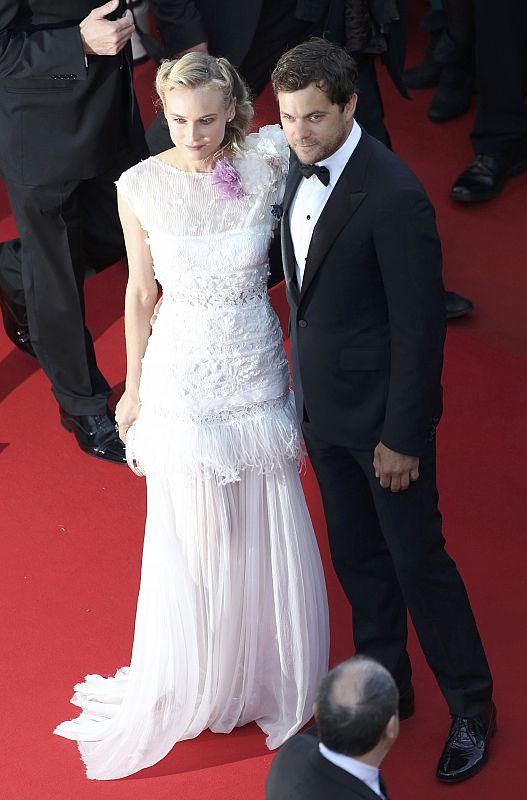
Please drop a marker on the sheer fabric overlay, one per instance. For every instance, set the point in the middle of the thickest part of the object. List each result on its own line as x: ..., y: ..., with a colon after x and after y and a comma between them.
x: 232, y: 621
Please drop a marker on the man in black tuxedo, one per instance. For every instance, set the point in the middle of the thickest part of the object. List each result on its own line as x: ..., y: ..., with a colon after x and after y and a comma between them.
x: 70, y: 126
x: 357, y: 721
x: 362, y: 261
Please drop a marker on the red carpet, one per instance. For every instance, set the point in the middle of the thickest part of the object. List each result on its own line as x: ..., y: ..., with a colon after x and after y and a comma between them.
x: 72, y: 526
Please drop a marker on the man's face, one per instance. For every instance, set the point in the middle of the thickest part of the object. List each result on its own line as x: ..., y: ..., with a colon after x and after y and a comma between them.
x: 314, y: 126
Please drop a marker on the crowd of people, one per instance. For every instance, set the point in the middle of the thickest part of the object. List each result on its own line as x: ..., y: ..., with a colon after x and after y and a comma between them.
x: 207, y: 412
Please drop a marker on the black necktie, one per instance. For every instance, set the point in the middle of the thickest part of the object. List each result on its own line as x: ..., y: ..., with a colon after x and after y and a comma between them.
x: 322, y: 173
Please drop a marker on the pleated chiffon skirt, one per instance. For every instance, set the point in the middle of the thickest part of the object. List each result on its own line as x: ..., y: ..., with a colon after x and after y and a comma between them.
x: 231, y: 627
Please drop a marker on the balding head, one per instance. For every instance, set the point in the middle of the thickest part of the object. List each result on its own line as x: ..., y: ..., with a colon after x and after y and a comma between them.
x: 354, y: 705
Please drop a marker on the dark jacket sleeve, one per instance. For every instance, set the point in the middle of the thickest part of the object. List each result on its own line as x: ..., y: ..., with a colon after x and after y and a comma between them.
x: 180, y: 24
x: 409, y: 254
x: 29, y: 52
x: 312, y: 10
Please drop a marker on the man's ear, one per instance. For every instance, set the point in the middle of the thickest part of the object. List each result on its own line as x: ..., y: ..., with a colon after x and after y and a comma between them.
x: 351, y: 105
x: 392, y: 729
x: 315, y: 711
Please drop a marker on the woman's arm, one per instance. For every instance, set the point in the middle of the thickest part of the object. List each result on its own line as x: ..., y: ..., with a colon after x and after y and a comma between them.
x: 140, y: 299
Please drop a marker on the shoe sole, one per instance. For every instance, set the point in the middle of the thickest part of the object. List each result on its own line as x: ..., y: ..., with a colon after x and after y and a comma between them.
x: 458, y: 314
x: 454, y: 115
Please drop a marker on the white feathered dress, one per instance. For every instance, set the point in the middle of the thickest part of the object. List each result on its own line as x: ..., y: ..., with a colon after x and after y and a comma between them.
x: 232, y: 620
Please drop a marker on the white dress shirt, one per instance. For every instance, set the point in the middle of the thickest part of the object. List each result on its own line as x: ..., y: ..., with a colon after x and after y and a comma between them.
x: 311, y: 197
x: 366, y: 773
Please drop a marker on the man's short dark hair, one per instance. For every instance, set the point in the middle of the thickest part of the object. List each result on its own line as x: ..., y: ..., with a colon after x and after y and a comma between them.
x: 355, y: 702
x: 317, y: 61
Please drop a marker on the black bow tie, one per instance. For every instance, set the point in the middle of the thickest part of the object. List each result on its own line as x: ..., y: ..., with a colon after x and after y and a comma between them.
x: 322, y: 173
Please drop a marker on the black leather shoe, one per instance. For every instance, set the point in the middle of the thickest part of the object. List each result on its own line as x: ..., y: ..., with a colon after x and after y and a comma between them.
x: 427, y: 73
x: 15, y: 324
x: 467, y: 747
x: 96, y: 435
x: 457, y: 305
x: 453, y: 95
x: 486, y: 176
x: 407, y: 703
x: 456, y: 81
x: 423, y: 75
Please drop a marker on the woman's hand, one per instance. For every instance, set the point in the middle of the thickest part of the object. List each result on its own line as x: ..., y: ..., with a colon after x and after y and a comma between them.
x: 126, y: 412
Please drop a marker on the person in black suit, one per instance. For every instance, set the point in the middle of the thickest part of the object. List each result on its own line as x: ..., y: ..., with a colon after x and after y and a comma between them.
x: 362, y: 261
x: 358, y: 723
x: 70, y: 126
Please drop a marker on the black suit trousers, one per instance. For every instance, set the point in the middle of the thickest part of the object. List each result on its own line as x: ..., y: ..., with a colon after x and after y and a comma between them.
x: 389, y: 555
x: 64, y: 229
x: 501, y: 71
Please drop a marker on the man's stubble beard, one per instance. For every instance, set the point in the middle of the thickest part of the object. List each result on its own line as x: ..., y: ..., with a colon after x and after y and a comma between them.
x: 326, y: 150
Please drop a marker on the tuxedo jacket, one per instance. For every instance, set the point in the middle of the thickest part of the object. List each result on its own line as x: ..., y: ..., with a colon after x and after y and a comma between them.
x: 227, y: 25
x: 299, y: 772
x: 60, y: 120
x: 368, y: 324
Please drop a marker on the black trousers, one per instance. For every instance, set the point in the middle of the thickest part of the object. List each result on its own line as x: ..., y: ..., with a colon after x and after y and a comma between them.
x: 370, y: 108
x: 389, y: 555
x: 64, y: 229
x: 501, y: 71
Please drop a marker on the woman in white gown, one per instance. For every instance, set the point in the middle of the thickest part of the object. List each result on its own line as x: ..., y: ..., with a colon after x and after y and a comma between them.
x: 232, y: 622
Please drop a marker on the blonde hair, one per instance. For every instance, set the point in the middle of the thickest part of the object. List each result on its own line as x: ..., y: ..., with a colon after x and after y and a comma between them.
x: 197, y: 70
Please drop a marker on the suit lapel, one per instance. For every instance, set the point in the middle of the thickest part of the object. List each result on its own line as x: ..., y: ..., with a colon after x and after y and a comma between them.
x: 342, y: 204
x: 288, y: 255
x: 337, y: 212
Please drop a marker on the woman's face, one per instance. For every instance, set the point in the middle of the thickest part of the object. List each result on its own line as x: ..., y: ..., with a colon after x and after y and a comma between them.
x: 196, y: 121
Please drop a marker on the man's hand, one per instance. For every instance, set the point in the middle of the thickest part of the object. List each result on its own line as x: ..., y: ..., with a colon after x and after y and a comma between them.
x: 105, y: 37
x: 201, y: 47
x: 155, y: 312
x: 394, y: 470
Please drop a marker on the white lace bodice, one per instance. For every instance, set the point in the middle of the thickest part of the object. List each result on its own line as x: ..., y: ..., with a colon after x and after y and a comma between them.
x: 216, y: 355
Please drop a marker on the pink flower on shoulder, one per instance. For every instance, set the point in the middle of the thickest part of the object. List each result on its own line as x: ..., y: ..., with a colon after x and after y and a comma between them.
x: 226, y: 178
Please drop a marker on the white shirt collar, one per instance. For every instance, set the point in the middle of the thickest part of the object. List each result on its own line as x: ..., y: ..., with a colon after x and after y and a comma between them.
x: 338, y: 160
x: 366, y: 773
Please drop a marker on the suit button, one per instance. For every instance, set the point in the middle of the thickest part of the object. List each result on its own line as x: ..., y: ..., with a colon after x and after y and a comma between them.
x: 302, y: 323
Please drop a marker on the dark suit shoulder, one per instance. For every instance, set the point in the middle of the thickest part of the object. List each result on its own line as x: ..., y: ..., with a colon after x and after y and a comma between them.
x: 300, y: 772
x: 388, y: 172
x: 287, y: 777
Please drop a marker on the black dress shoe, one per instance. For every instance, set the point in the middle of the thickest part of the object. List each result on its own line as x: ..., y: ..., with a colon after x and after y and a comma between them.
x: 467, y: 747
x: 96, y: 435
x: 456, y: 81
x: 457, y: 305
x: 453, y: 95
x: 15, y: 324
x: 486, y: 176
x: 427, y: 73
x: 407, y: 703
x: 423, y: 75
